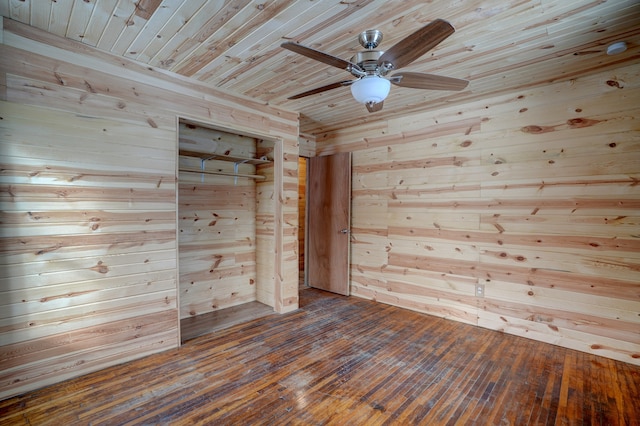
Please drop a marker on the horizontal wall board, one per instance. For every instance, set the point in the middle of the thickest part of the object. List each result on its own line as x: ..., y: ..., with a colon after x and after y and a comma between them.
x: 554, y: 299
x: 25, y: 353
x: 32, y: 301
x: 92, y: 226
x: 438, y: 308
x: 596, y: 229
x: 79, y: 264
x: 73, y: 364
x: 42, y: 324
x: 581, y: 341
x: 14, y: 250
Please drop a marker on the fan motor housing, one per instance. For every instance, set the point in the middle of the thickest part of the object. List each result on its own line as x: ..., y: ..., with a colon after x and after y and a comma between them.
x: 367, y: 60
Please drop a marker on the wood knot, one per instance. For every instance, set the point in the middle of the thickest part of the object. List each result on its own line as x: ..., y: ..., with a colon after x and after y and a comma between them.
x: 577, y: 123
x: 100, y: 268
x: 613, y: 83
x: 533, y: 129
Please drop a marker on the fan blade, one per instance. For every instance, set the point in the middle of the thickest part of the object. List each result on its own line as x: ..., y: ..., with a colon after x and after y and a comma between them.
x: 319, y: 56
x: 417, y: 80
x: 373, y: 107
x: 322, y: 89
x: 417, y: 44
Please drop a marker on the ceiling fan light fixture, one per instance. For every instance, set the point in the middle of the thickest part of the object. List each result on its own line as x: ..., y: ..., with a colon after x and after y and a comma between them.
x: 370, y: 89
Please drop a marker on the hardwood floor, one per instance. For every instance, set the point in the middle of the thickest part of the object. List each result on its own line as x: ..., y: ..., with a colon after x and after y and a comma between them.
x: 342, y: 361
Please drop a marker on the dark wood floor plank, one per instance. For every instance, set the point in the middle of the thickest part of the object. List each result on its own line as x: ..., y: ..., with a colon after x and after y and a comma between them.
x: 496, y: 395
x: 339, y: 361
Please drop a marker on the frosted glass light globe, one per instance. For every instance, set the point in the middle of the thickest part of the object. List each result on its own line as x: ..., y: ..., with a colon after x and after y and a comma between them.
x: 370, y: 88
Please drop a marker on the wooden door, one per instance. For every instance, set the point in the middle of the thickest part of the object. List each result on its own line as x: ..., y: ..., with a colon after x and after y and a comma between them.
x: 328, y: 213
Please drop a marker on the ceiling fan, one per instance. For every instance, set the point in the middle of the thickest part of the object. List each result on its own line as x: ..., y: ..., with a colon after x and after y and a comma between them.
x: 371, y: 66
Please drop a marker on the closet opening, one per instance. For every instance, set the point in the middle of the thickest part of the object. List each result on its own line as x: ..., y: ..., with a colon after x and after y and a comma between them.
x: 226, y: 227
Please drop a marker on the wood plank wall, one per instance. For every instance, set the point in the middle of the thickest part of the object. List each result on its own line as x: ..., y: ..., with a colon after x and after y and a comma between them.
x: 533, y: 195
x: 216, y: 222
x: 88, y: 274
x: 266, y: 221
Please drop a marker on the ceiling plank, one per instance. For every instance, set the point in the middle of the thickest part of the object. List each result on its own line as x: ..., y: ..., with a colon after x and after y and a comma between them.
x: 154, y: 26
x: 146, y: 8
x: 40, y: 14
x: 187, y: 13
x: 81, y: 13
x: 102, y: 13
x: 116, y: 25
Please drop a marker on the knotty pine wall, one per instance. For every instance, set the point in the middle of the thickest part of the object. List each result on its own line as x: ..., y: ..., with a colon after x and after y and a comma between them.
x: 88, y: 274
x: 217, y: 222
x: 533, y: 195
x: 217, y: 240
x: 268, y: 204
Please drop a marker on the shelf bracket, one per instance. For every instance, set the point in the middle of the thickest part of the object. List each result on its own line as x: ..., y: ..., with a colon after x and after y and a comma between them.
x: 235, y: 170
x: 202, y: 161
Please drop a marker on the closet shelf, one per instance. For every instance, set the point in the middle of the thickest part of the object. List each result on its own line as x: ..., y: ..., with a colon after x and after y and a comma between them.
x: 214, y: 172
x: 230, y: 158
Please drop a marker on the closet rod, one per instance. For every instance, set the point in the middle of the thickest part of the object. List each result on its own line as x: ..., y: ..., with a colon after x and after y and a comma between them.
x: 209, y: 172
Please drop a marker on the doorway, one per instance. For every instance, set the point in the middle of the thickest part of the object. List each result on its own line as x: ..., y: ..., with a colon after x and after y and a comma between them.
x: 302, y: 220
x: 328, y: 223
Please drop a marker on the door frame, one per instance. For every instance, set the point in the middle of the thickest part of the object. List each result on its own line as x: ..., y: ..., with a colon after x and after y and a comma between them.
x: 278, y: 194
x: 307, y: 225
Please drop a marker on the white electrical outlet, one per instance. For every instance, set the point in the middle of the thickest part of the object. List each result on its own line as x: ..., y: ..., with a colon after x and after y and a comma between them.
x: 479, y: 290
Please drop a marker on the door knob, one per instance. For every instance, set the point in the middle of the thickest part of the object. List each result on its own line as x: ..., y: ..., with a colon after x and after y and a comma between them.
x: 345, y: 231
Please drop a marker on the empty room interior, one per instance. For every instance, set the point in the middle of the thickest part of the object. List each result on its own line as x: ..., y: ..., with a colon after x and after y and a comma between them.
x: 336, y: 212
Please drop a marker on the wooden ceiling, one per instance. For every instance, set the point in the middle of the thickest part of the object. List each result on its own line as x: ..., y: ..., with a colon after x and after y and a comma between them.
x: 234, y: 45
